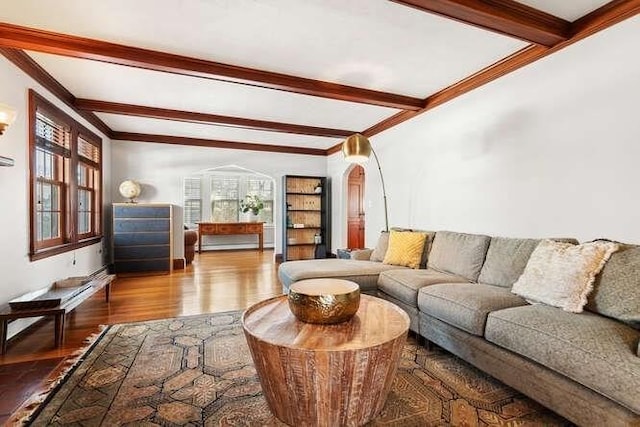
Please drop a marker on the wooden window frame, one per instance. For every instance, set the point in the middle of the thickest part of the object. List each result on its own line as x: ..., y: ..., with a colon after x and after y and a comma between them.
x: 70, y: 239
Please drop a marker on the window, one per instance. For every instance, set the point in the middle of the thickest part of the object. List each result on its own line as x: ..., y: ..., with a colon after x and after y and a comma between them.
x: 66, y: 176
x: 223, y: 192
x: 225, y: 204
x: 192, y: 201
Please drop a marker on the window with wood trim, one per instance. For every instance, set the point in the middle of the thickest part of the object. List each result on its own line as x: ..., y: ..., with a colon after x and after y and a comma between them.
x: 65, y: 177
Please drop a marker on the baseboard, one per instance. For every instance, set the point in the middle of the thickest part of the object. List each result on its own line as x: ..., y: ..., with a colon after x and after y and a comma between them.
x: 178, y: 263
x: 278, y: 258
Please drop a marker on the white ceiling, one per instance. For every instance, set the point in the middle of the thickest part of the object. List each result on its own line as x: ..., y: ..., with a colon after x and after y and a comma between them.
x: 373, y: 44
x: 566, y: 9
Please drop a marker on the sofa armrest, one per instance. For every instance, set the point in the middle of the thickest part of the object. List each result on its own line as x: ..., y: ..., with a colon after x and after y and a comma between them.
x: 361, y: 254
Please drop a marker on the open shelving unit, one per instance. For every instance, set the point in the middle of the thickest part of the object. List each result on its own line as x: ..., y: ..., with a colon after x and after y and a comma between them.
x: 306, y: 221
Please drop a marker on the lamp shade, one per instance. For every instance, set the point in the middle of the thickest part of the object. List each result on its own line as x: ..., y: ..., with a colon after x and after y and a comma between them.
x: 7, y: 114
x: 356, y: 148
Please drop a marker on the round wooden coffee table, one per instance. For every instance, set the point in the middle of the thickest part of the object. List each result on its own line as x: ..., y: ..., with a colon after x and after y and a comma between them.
x: 326, y: 375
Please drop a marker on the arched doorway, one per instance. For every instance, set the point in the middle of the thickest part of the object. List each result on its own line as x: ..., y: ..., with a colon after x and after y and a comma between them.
x: 355, y: 208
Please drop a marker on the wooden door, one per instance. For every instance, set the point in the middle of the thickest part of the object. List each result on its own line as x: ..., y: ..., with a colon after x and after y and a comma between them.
x: 355, y: 209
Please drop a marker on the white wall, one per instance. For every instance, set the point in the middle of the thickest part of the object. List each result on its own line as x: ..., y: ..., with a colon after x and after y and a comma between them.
x: 160, y: 168
x: 550, y: 150
x: 19, y: 274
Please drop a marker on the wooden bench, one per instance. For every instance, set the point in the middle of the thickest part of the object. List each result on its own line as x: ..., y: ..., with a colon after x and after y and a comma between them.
x: 70, y: 298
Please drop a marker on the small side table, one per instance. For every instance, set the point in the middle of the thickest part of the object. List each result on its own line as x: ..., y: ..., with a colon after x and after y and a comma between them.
x: 326, y: 375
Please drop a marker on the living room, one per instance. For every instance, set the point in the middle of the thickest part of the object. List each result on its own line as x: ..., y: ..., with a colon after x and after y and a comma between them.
x: 543, y: 146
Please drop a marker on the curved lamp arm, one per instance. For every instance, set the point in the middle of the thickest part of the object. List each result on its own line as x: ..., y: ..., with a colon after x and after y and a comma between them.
x: 384, y: 192
x: 358, y: 149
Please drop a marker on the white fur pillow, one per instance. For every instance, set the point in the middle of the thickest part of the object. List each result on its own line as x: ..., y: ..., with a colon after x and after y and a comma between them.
x: 562, y: 274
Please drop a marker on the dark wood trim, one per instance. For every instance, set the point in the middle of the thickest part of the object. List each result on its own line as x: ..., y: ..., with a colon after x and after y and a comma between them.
x: 278, y: 258
x: 178, y: 263
x: 69, y: 239
x: 193, y: 117
x: 596, y: 21
x: 501, y: 16
x: 213, y: 143
x: 19, y: 37
x: 65, y: 248
x: 39, y: 74
x: 604, y: 17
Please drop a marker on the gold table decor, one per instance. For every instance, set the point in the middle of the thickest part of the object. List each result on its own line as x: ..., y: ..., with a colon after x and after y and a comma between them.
x: 324, y: 301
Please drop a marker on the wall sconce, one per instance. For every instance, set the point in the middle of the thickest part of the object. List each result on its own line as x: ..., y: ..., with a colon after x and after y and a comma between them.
x: 7, y: 117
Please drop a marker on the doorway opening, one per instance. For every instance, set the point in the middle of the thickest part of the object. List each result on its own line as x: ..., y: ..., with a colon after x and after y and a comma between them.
x: 355, y: 208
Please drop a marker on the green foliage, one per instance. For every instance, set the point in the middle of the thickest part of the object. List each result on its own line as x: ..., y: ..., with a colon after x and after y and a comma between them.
x: 251, y: 203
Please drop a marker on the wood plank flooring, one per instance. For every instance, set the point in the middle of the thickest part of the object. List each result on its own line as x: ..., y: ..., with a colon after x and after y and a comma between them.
x: 215, y: 282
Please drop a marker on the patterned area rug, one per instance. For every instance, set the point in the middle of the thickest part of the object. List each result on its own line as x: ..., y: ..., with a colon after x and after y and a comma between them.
x: 197, y: 371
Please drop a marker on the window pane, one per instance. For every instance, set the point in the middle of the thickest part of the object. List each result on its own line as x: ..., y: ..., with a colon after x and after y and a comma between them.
x: 88, y: 150
x: 224, y: 210
x: 192, y: 201
x: 85, y: 204
x: 49, y: 133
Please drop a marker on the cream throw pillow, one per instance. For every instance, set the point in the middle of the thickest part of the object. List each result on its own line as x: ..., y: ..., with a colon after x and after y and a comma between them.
x: 562, y: 274
x: 405, y: 248
x: 381, y: 247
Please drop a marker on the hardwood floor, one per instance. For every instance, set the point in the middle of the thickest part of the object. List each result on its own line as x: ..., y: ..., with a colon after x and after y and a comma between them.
x: 215, y: 282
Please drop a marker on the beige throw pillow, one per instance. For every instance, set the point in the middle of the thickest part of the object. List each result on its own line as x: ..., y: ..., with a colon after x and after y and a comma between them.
x: 381, y: 247
x: 562, y: 274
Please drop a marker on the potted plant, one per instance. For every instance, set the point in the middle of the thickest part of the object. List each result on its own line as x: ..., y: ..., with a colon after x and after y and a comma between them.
x: 252, y: 203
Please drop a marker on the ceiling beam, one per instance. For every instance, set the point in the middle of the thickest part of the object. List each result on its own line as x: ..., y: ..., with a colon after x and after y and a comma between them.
x: 505, y: 17
x: 214, y: 143
x: 596, y: 21
x: 19, y: 37
x: 36, y: 72
x: 215, y: 119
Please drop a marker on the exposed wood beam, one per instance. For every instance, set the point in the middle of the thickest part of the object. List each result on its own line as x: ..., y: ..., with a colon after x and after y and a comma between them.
x: 36, y: 72
x: 213, y: 143
x: 193, y: 117
x: 501, y: 16
x: 596, y: 21
x: 15, y: 36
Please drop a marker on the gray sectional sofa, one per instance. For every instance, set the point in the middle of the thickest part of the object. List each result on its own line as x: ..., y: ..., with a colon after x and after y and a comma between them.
x: 584, y: 366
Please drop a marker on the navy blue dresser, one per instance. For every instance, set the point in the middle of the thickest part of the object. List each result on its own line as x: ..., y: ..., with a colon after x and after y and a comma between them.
x: 142, y: 238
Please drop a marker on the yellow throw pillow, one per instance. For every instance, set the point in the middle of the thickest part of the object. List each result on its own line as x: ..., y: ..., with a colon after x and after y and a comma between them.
x: 405, y: 248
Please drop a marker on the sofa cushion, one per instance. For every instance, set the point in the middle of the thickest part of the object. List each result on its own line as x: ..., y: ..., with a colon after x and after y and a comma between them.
x: 405, y: 248
x: 364, y: 273
x: 592, y: 350
x: 616, y: 291
x: 505, y: 261
x: 458, y: 253
x: 562, y: 274
x: 465, y: 305
x: 404, y: 285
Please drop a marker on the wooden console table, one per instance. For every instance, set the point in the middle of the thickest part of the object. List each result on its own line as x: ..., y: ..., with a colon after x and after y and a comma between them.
x: 227, y: 228
x: 7, y: 314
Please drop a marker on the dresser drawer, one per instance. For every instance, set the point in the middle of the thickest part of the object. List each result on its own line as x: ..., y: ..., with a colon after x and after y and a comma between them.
x: 135, y: 211
x: 231, y: 228
x: 254, y: 228
x: 141, y: 239
x: 140, y: 225
x: 141, y: 252
x: 141, y: 266
x: 207, y: 228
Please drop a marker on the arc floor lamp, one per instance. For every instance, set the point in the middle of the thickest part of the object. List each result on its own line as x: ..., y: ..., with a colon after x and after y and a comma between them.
x: 358, y: 149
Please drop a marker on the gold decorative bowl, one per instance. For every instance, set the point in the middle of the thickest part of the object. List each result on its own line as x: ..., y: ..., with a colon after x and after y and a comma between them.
x: 324, y: 301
